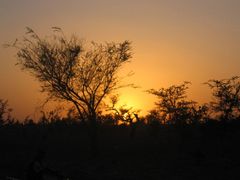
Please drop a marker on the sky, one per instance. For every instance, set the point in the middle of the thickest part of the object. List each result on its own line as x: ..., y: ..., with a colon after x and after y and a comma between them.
x: 173, y: 41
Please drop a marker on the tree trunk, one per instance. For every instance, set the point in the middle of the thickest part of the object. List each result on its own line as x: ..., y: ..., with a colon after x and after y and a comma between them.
x: 81, y: 117
x: 93, y: 134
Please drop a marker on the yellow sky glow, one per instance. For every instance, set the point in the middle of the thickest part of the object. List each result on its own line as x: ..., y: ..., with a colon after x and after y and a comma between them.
x: 173, y: 41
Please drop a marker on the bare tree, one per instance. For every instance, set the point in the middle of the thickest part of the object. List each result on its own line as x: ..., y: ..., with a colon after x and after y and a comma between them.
x: 226, y: 93
x: 73, y: 71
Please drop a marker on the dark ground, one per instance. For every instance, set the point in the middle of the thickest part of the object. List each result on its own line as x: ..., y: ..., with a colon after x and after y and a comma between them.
x: 209, y: 151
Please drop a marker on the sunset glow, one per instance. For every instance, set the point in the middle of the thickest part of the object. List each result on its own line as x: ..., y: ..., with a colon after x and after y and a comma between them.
x: 172, y: 41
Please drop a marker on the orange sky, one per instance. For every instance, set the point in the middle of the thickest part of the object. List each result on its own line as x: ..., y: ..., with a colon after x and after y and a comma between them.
x: 173, y: 41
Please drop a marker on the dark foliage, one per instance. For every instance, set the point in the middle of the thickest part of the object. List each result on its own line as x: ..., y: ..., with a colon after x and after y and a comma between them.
x: 226, y: 93
x: 203, y: 151
x: 173, y: 106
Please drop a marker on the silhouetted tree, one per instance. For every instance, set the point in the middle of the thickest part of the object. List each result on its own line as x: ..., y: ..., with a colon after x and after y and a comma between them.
x: 51, y: 116
x: 172, y: 104
x: 72, y: 71
x: 125, y: 115
x: 226, y: 93
x: 198, y: 114
x: 108, y: 119
x: 5, y: 112
x: 154, y: 121
x: 154, y: 116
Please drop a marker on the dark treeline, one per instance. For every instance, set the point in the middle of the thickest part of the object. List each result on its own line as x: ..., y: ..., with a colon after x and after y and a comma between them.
x: 156, y: 151
x: 172, y: 108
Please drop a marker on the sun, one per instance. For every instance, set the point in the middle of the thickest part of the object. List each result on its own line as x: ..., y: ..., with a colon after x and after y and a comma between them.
x: 128, y: 101
x: 126, y: 104
x: 135, y: 99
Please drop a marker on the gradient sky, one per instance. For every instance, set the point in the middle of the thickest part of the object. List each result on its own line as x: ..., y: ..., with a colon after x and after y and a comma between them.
x: 173, y: 41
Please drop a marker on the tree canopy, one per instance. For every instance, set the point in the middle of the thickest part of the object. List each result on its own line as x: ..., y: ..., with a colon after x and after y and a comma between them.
x: 71, y: 70
x: 226, y: 93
